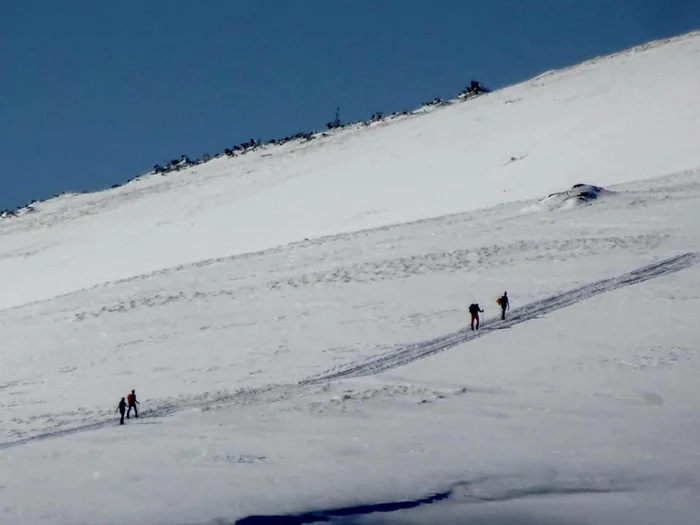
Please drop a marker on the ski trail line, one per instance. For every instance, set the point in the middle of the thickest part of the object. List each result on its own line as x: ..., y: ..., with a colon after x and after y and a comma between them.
x: 415, y: 351
x: 394, y: 359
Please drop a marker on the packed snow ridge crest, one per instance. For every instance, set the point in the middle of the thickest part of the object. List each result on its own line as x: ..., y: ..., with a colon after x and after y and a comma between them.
x: 184, y: 162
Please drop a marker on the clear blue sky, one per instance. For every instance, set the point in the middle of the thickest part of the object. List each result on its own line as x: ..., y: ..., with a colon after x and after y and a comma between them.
x: 94, y: 92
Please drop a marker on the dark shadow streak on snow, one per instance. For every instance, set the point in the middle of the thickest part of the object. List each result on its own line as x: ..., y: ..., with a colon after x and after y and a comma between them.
x: 327, y: 515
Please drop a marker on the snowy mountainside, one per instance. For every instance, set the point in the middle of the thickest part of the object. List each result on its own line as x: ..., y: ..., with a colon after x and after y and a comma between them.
x: 600, y: 122
x: 295, y: 321
x: 574, y: 405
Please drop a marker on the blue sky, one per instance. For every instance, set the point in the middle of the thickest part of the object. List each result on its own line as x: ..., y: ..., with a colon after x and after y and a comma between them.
x: 93, y: 93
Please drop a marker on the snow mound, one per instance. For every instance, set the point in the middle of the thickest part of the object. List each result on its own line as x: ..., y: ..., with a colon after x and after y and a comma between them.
x: 578, y: 195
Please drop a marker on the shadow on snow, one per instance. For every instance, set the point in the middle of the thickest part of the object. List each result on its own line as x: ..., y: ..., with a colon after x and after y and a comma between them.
x: 467, y: 492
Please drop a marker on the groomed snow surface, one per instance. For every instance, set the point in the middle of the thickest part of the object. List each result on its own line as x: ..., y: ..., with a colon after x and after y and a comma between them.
x: 333, y: 369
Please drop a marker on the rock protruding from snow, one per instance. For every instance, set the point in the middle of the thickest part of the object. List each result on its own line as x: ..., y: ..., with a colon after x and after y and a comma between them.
x: 579, y: 194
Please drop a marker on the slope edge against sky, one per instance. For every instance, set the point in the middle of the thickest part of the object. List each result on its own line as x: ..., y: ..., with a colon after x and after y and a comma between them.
x: 609, y: 120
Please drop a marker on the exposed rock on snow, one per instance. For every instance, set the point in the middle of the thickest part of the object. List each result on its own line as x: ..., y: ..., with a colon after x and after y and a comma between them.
x: 578, y: 195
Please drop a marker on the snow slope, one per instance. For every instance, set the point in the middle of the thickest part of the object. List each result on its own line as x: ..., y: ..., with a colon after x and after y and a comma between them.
x: 336, y: 371
x: 598, y: 396
x: 607, y: 121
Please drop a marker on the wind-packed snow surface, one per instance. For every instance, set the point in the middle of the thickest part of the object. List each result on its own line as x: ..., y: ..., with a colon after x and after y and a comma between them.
x: 333, y: 368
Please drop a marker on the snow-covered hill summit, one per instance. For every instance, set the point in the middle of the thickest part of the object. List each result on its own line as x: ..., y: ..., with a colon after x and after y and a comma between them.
x: 611, y: 120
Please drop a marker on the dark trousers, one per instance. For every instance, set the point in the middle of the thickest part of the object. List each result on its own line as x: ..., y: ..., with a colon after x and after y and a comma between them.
x: 503, y: 314
x: 136, y: 412
x: 121, y: 421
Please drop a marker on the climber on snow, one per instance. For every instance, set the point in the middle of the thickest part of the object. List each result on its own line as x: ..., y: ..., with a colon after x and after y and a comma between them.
x: 121, y: 408
x: 475, y: 310
x: 504, y: 303
x: 132, y: 402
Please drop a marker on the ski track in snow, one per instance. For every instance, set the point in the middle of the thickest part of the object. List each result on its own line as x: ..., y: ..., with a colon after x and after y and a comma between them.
x: 519, y: 315
x: 394, y: 359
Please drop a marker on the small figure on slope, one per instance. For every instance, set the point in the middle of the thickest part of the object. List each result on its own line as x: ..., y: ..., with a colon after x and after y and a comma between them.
x: 132, y: 402
x: 475, y: 310
x: 122, y: 410
x: 504, y: 303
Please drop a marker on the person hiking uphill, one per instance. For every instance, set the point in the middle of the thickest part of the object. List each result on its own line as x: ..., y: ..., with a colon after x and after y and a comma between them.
x: 122, y: 410
x: 131, y: 400
x: 475, y: 310
x: 504, y: 304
